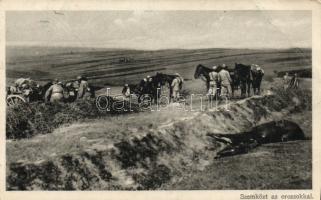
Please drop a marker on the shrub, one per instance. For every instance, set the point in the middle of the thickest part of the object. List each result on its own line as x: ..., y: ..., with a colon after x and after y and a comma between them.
x: 26, y: 120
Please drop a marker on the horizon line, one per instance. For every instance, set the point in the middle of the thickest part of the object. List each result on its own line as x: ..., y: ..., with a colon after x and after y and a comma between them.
x: 142, y: 49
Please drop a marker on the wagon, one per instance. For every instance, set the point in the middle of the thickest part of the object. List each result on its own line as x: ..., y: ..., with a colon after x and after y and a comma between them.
x: 16, y: 98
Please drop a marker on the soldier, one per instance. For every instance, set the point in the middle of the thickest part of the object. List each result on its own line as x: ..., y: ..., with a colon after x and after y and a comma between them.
x: 259, y: 69
x: 181, y: 80
x: 83, y: 90
x: 176, y: 86
x: 126, y: 91
x: 143, y: 85
x: 294, y: 83
x: 213, y: 83
x: 225, y: 80
x: 286, y: 81
x: 55, y: 93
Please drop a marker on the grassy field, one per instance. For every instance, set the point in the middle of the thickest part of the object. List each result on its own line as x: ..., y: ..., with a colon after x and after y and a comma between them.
x: 107, y: 66
x: 281, y: 165
x: 268, y: 167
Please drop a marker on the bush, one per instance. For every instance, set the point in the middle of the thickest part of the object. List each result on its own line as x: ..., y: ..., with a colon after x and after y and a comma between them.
x: 301, y: 98
x: 26, y: 120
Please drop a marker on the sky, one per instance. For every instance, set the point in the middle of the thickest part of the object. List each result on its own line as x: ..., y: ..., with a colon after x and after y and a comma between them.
x: 160, y: 29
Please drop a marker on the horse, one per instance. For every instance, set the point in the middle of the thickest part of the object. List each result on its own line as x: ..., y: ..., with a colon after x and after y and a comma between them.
x: 143, y: 88
x: 165, y: 80
x: 257, y: 77
x: 242, y: 74
x: 203, y: 72
x: 248, y: 77
x: 271, y: 132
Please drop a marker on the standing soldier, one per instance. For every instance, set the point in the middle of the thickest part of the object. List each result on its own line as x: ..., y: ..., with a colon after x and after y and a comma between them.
x: 83, y: 90
x: 176, y: 86
x: 143, y: 85
x: 225, y: 80
x: 126, y: 91
x: 213, y: 83
x: 55, y: 93
x: 181, y: 80
x: 294, y: 84
x: 286, y: 81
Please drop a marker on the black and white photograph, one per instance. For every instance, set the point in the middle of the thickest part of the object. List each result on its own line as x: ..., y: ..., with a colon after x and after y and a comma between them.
x: 127, y: 100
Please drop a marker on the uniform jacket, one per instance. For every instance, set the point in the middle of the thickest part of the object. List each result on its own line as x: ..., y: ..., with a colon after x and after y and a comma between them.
x: 175, y: 84
x: 225, y: 77
x: 83, y: 89
x: 214, y: 77
x: 54, y: 90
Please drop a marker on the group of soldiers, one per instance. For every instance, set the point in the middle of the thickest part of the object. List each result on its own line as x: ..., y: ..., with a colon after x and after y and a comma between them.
x: 78, y: 89
x: 54, y: 91
x: 221, y: 83
x: 148, y: 86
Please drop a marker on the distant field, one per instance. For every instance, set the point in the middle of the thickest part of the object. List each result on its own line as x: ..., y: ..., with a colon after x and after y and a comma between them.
x: 115, y: 67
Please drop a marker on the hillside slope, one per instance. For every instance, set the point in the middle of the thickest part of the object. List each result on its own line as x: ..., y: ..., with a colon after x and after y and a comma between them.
x: 94, y: 156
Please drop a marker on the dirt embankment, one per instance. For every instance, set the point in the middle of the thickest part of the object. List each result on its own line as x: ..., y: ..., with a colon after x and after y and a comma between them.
x: 151, y: 158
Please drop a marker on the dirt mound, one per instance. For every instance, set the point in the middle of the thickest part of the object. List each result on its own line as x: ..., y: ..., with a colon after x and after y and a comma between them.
x: 154, y: 157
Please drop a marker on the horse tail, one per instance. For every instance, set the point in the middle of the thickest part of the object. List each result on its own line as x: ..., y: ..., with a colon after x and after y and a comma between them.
x: 196, y: 73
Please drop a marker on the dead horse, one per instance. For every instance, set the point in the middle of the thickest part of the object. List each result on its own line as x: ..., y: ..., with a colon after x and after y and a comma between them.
x: 271, y: 132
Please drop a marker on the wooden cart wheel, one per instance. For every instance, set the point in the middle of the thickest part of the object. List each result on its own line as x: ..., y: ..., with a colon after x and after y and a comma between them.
x: 14, y: 100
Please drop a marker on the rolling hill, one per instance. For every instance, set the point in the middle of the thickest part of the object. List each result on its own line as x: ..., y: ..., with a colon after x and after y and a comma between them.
x: 119, y: 66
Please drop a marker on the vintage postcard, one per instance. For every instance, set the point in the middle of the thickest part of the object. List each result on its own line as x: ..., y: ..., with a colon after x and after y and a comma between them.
x: 165, y: 100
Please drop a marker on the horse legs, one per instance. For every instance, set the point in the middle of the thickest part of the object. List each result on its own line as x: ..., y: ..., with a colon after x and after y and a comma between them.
x: 249, y: 89
x: 232, y: 86
x: 259, y: 86
x: 243, y: 89
x: 170, y: 94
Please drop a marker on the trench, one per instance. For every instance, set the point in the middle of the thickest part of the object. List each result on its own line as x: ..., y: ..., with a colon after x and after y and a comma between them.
x: 155, y: 157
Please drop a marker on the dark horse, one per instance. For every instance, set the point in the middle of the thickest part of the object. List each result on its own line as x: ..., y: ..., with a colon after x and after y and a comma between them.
x: 202, y: 71
x: 256, y: 82
x: 164, y: 81
x: 157, y: 86
x: 248, y: 77
x: 271, y: 132
x: 242, y: 74
x: 144, y: 89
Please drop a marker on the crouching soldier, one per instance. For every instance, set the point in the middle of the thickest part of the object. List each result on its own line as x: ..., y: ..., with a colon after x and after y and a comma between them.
x: 55, y: 93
